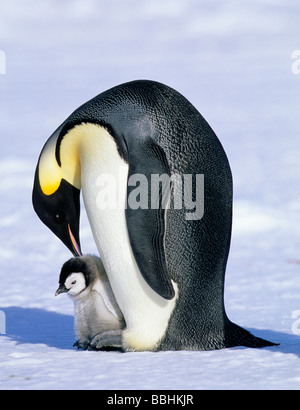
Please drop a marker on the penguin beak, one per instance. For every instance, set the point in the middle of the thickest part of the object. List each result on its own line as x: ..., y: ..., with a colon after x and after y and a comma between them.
x: 61, y: 289
x: 76, y: 248
x: 60, y: 212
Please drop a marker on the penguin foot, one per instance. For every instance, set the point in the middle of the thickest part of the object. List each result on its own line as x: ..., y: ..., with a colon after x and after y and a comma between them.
x: 81, y: 345
x: 108, y: 338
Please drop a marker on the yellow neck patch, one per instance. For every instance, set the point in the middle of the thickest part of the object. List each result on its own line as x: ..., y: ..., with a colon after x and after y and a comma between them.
x: 50, y: 173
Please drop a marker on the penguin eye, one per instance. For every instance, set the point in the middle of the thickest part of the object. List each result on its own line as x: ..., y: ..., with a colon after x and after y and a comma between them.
x: 73, y: 283
x: 59, y: 217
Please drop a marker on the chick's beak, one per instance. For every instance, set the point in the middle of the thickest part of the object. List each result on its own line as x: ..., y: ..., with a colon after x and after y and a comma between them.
x: 61, y: 289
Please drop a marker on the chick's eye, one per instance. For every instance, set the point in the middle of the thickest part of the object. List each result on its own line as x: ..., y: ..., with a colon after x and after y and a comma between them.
x: 74, y: 282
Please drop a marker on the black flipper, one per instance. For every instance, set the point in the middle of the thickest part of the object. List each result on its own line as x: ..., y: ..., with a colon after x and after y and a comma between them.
x: 146, y: 226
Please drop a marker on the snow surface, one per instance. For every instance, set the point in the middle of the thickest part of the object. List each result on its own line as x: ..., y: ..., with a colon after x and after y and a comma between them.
x: 233, y: 61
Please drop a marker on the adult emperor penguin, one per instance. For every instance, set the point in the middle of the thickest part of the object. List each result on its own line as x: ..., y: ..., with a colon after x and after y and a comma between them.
x: 166, y: 267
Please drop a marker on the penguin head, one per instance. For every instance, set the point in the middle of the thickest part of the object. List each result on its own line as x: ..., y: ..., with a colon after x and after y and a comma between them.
x: 75, y: 277
x: 74, y: 284
x: 56, y: 192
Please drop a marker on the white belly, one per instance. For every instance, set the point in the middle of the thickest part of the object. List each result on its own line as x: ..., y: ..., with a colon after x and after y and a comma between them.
x: 104, y: 176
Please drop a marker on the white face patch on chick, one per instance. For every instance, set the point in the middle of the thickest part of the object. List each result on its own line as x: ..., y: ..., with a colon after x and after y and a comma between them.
x: 75, y: 283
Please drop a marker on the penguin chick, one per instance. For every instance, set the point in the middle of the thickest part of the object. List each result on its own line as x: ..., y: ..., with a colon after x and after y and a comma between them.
x: 99, y: 321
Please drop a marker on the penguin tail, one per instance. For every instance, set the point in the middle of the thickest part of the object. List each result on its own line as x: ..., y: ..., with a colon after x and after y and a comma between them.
x: 237, y: 336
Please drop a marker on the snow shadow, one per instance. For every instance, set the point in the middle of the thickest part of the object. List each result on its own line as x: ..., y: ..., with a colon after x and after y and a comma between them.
x: 288, y: 343
x: 39, y: 326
